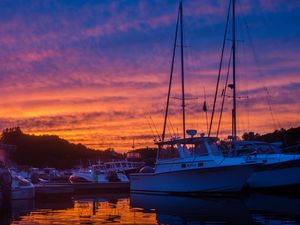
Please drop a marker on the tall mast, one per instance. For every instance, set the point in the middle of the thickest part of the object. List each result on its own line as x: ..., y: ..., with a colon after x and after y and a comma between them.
x: 233, y: 73
x: 171, y: 76
x: 182, y: 70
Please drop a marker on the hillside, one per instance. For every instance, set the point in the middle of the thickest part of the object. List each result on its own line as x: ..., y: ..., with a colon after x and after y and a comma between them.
x: 51, y: 151
x: 290, y: 137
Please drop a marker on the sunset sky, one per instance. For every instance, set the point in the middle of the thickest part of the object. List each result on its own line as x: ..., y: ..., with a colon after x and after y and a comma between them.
x: 93, y: 72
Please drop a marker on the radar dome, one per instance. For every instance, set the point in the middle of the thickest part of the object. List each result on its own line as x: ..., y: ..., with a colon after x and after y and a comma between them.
x: 192, y: 133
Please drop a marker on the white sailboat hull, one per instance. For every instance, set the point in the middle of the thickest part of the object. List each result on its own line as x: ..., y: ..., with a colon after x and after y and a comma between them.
x: 215, y: 179
x: 280, y: 174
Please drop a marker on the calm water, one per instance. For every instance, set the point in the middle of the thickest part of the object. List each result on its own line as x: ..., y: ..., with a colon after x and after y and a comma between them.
x: 154, y: 209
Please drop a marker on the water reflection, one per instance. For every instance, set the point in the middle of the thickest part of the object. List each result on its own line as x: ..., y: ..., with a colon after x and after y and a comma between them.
x: 15, y: 211
x: 155, y: 209
x: 274, y: 209
x: 191, y: 210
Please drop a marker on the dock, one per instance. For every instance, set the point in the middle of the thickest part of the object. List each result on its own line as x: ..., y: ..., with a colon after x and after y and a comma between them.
x: 66, y: 189
x: 53, y: 189
x: 100, y: 187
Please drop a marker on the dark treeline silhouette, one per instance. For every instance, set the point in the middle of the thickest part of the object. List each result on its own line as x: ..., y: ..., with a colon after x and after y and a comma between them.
x: 52, y: 151
x: 290, y: 137
x: 148, y: 155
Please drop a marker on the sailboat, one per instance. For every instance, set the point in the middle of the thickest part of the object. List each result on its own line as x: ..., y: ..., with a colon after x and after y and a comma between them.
x: 278, y: 170
x: 190, y: 164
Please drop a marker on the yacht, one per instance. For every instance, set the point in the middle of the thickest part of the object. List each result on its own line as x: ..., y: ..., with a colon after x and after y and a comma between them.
x: 124, y: 166
x: 98, y: 174
x: 278, y: 170
x: 192, y: 165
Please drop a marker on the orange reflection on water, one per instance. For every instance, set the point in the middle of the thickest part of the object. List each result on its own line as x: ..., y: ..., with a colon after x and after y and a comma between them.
x: 90, y: 211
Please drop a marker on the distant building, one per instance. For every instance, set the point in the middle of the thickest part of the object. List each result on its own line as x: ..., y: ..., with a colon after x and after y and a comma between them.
x: 133, y: 155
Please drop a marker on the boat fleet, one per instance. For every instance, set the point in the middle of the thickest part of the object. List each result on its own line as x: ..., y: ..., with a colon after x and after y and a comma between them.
x: 195, y: 164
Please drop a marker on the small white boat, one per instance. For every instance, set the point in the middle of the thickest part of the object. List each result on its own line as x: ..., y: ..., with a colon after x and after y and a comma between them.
x: 98, y: 174
x: 16, y: 186
x: 279, y: 170
x: 192, y: 165
x: 124, y: 166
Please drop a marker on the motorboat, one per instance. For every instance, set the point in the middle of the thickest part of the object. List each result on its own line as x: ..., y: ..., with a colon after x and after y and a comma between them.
x: 124, y: 166
x: 279, y: 170
x: 192, y: 165
x: 98, y: 173
x: 15, y: 187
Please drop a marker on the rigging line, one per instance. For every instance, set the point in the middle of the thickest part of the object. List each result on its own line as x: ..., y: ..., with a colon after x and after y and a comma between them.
x: 206, y: 108
x: 224, y: 94
x: 151, y: 129
x: 155, y: 128
x: 171, y: 76
x: 220, y: 69
x: 275, y: 121
x: 168, y: 127
x: 172, y: 127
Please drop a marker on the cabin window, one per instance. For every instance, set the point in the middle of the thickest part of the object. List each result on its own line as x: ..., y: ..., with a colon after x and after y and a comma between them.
x: 168, y: 152
x: 200, y: 149
x: 215, y: 149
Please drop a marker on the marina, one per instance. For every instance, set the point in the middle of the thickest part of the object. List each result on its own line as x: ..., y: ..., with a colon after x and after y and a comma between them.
x: 104, y: 121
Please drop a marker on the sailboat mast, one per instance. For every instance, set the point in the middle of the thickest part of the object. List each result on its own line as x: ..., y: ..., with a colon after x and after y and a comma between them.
x: 182, y: 70
x: 171, y: 76
x: 233, y: 73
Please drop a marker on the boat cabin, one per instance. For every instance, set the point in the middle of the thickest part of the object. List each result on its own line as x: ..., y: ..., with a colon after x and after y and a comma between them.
x: 187, y: 153
x: 193, y: 147
x: 254, y: 147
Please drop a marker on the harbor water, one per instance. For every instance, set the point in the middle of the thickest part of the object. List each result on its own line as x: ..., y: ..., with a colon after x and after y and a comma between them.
x: 127, y: 208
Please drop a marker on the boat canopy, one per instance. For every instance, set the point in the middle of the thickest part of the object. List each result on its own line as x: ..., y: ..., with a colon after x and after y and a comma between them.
x: 188, y: 148
x: 255, y: 147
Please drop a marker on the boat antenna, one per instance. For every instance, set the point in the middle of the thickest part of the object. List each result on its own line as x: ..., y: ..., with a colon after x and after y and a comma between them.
x: 171, y: 77
x: 220, y: 69
x: 182, y: 69
x: 233, y: 73
x: 133, y: 145
x: 154, y: 127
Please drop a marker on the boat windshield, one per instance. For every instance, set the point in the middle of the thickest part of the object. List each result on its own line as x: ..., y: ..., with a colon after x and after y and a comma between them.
x: 180, y: 150
x: 254, y: 148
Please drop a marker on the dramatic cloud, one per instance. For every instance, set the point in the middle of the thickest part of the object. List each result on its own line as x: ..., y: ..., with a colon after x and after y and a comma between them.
x: 97, y: 72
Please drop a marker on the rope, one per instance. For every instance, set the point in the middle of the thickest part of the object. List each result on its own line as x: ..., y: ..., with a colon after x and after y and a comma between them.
x: 220, y: 69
